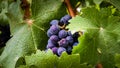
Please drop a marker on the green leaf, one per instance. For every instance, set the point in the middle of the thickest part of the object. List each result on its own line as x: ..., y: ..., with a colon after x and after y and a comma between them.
x: 116, y: 3
x: 85, y: 65
x: 41, y: 59
x: 27, y: 37
x: 69, y: 61
x: 101, y: 39
x: 117, y: 60
x: 97, y: 1
x: 3, y: 11
x: 23, y: 66
x: 20, y: 44
x: 15, y: 17
x: 47, y: 59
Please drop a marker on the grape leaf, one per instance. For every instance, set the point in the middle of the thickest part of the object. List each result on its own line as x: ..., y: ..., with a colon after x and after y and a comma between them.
x: 23, y: 66
x: 41, y: 59
x: 69, y: 61
x: 47, y: 59
x: 101, y: 39
x: 30, y: 34
x: 116, y: 3
x: 97, y: 1
x: 16, y: 47
x: 117, y: 60
x: 3, y: 11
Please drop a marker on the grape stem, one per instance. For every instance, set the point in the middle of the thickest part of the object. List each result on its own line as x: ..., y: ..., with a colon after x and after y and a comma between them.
x: 69, y: 7
x: 99, y: 66
x: 25, y: 5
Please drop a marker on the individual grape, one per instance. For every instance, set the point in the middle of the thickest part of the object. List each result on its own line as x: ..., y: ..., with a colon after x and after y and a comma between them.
x: 75, y: 43
x: 54, y: 39
x: 64, y: 20
x: 54, y: 22
x: 62, y: 34
x: 69, y: 33
x: 54, y: 49
x: 69, y: 49
x: 60, y: 50
x: 49, y: 33
x: 54, y: 29
x: 70, y: 39
x: 61, y: 23
x: 67, y: 17
x: 75, y: 36
x: 50, y: 45
x: 63, y: 43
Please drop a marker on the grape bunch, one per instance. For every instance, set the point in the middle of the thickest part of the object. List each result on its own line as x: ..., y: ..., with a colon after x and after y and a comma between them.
x: 60, y: 38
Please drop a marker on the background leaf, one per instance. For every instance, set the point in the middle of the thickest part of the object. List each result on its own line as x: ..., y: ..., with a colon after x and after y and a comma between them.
x: 116, y: 3
x: 3, y: 11
x: 117, y: 60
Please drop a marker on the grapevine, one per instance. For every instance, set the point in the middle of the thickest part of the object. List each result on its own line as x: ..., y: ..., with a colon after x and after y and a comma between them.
x: 59, y: 34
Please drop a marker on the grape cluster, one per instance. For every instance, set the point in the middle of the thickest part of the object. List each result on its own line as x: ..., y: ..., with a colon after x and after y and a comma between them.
x: 60, y: 39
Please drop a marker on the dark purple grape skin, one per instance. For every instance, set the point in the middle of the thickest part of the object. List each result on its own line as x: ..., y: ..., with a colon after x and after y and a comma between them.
x: 63, y: 43
x: 69, y: 49
x: 75, y: 43
x: 69, y: 33
x: 50, y: 45
x: 54, y: 50
x: 54, y: 39
x: 70, y: 39
x: 60, y: 50
x: 62, y: 34
x: 64, y: 20
x: 75, y: 36
x: 49, y: 33
x: 54, y: 22
x: 67, y: 17
x: 54, y: 29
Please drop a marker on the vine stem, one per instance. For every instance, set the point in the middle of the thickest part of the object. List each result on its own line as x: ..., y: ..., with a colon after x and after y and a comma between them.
x: 69, y: 7
x: 99, y: 66
x: 26, y: 7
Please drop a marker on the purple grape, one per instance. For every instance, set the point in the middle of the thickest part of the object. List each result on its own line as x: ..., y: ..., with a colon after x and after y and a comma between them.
x: 54, y: 22
x: 54, y: 39
x: 63, y: 43
x: 64, y: 20
x: 70, y: 39
x: 60, y: 50
x: 75, y: 36
x: 69, y: 33
x: 61, y: 23
x: 54, y: 49
x: 49, y: 33
x: 54, y: 29
x: 75, y: 43
x: 50, y: 45
x: 62, y: 34
x: 69, y: 49
x: 67, y: 17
